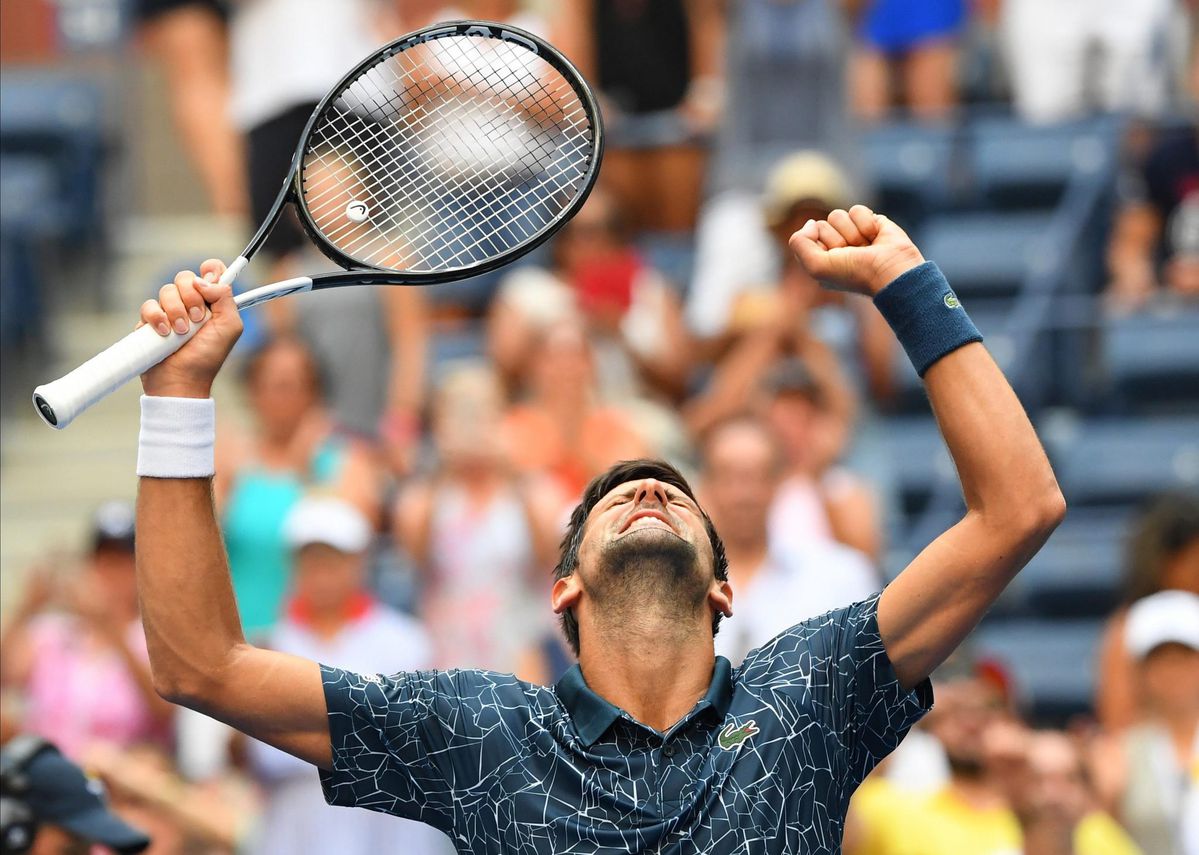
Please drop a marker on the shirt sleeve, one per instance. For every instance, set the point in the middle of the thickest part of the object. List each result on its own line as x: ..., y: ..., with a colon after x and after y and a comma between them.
x: 405, y: 744
x: 836, y: 669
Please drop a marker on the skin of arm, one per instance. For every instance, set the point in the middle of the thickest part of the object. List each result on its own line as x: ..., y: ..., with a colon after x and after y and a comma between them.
x: 199, y: 657
x: 1013, y: 502
x: 1137, y: 229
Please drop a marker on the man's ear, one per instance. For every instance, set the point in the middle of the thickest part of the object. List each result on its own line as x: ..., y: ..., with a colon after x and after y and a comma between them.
x: 720, y: 597
x: 565, y: 593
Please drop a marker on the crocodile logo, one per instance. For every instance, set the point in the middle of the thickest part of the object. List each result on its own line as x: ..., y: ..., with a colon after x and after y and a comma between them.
x: 952, y: 301
x: 733, y: 737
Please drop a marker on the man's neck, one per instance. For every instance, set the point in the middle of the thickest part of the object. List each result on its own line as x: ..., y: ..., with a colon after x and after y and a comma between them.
x: 655, y: 676
x: 976, y: 791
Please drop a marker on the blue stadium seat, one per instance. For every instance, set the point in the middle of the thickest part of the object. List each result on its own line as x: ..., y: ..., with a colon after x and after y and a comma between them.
x: 1124, y: 461
x: 1153, y: 358
x: 909, y: 166
x: 60, y: 119
x: 450, y: 344
x: 917, y: 458
x: 1079, y: 571
x: 1014, y: 164
x: 32, y: 203
x: 1052, y: 662
x: 989, y: 254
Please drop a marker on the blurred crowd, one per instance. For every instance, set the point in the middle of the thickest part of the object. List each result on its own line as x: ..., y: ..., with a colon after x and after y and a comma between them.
x: 387, y: 506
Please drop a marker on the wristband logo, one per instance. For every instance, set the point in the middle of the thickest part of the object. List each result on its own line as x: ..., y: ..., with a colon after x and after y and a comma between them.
x: 952, y: 301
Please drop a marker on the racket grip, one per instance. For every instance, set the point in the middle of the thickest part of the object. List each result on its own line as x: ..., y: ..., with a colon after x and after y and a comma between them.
x: 59, y: 402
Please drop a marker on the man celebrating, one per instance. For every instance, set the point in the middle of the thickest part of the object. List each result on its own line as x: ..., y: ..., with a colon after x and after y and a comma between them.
x: 651, y: 743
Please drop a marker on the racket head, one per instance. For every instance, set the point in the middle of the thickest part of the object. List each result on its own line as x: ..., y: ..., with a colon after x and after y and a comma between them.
x: 445, y: 154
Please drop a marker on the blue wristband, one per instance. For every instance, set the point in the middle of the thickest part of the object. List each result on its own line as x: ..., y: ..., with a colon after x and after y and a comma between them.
x: 927, y: 317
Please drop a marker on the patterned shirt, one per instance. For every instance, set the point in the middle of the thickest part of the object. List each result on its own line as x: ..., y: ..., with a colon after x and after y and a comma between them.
x: 764, y: 763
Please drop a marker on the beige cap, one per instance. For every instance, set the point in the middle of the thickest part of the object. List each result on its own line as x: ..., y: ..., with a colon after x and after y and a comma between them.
x: 328, y: 520
x: 1163, y: 618
x: 804, y: 176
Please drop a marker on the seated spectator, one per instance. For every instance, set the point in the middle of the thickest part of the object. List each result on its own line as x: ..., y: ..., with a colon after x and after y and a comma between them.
x: 750, y: 291
x: 57, y: 810
x: 1162, y: 555
x: 262, y: 472
x: 1154, y: 779
x: 774, y: 585
x: 332, y: 618
x: 481, y: 535
x: 907, y: 53
x: 75, y: 649
x: 633, y: 314
x: 562, y: 429
x: 657, y: 66
x: 1154, y: 249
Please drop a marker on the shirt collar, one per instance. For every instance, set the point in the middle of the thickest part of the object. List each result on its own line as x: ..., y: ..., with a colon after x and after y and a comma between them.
x: 592, y: 715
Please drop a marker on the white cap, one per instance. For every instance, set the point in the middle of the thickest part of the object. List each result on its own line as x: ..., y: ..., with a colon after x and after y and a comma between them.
x: 1163, y: 618
x: 329, y: 520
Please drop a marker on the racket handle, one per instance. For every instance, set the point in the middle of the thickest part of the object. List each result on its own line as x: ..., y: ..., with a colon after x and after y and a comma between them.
x: 59, y: 402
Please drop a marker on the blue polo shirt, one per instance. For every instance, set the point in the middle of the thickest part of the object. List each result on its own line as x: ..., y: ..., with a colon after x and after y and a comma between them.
x: 764, y: 763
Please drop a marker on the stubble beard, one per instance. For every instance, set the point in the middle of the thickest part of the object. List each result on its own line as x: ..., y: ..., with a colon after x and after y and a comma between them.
x: 655, y: 578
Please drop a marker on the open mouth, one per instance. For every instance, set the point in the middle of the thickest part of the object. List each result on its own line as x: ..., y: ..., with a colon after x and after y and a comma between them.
x: 660, y: 517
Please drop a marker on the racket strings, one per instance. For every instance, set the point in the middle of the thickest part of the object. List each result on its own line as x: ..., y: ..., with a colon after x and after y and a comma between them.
x: 461, y: 148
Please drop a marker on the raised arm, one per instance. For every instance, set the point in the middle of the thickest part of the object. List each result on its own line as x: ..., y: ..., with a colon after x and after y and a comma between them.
x: 199, y: 657
x: 1012, y: 499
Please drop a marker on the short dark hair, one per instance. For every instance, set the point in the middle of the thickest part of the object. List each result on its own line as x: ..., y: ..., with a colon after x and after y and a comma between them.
x: 600, y: 486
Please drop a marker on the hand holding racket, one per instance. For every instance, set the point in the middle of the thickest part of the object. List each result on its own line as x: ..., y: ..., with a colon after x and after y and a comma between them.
x: 447, y: 153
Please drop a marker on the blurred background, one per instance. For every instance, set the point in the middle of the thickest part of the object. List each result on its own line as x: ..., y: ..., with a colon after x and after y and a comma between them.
x: 395, y: 466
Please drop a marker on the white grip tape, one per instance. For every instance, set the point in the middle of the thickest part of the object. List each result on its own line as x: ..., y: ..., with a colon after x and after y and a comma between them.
x: 60, y: 401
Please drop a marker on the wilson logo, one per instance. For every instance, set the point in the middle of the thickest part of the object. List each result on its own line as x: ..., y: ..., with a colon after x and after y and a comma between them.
x: 733, y: 737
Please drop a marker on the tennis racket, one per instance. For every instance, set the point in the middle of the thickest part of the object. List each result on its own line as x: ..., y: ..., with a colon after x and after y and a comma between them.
x: 447, y: 153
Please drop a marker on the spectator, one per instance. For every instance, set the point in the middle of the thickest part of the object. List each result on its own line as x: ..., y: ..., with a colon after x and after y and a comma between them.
x: 785, y: 74
x: 75, y: 648
x: 773, y: 586
x: 751, y: 291
x: 189, y: 41
x: 657, y: 65
x: 1155, y: 781
x: 262, y: 473
x: 1075, y: 57
x: 1162, y: 555
x: 818, y: 499
x: 332, y: 618
x: 1154, y: 248
x: 50, y: 808
x: 480, y: 534
x: 907, y: 52
x: 562, y: 429
x: 632, y: 312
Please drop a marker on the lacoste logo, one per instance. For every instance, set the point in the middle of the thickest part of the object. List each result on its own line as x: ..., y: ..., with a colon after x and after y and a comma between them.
x: 733, y: 737
x: 952, y: 301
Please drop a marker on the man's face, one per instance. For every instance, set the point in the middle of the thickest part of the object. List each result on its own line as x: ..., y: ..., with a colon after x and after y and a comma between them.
x: 966, y: 709
x: 327, y: 577
x: 52, y: 840
x: 644, y: 548
x: 741, y: 477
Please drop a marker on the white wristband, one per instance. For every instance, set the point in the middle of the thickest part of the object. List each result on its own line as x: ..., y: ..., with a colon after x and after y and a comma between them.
x: 177, y: 438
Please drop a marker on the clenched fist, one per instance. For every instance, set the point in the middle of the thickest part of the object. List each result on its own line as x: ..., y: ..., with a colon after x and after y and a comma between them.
x: 189, y: 372
x: 855, y: 250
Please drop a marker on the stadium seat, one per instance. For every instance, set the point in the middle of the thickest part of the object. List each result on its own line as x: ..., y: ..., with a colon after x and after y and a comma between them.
x: 1052, y: 663
x: 917, y: 457
x: 32, y: 204
x: 988, y: 254
x: 1015, y: 164
x: 1077, y: 573
x: 1124, y: 461
x: 60, y: 119
x: 453, y: 343
x: 909, y: 165
x: 1153, y: 358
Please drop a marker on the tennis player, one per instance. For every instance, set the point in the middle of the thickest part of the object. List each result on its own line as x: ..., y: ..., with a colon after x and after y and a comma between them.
x: 651, y: 743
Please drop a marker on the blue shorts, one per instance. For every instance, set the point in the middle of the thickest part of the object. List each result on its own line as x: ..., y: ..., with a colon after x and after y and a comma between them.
x: 894, y: 26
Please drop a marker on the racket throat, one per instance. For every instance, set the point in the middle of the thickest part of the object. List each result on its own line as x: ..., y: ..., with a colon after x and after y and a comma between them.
x: 273, y: 291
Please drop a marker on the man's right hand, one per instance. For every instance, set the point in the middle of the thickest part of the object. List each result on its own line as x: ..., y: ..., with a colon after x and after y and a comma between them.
x: 189, y: 372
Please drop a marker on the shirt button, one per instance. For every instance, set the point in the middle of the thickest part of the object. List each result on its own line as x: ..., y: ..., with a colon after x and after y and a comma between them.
x: 668, y: 750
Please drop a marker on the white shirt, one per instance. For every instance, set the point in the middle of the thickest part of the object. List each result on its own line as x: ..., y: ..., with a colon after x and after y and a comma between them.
x: 792, y: 586
x: 296, y: 819
x: 284, y: 53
